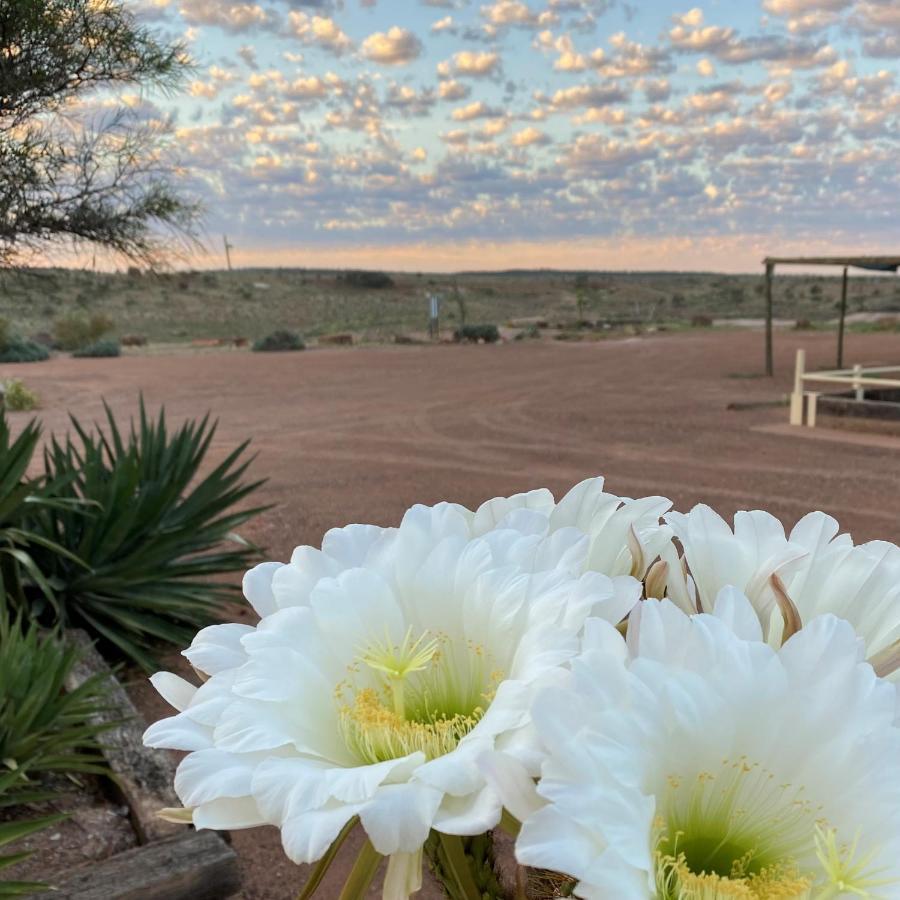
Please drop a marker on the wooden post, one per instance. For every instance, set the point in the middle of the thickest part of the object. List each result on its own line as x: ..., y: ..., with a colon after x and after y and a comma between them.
x: 227, y: 250
x: 770, y: 272
x: 840, y: 350
x: 797, y: 396
x: 860, y: 391
x: 812, y: 402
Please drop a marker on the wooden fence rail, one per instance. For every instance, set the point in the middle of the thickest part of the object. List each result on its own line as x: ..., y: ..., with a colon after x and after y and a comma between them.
x: 804, y: 402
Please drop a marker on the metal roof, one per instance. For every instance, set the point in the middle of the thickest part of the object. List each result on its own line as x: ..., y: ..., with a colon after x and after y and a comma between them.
x: 876, y: 263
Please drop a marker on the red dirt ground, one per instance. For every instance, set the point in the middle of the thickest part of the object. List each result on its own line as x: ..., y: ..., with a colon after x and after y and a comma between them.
x: 359, y: 435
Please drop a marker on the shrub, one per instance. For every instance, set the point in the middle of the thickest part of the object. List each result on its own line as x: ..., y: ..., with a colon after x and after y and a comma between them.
x: 4, y: 333
x: 43, y: 730
x: 72, y: 332
x: 18, y: 350
x: 489, y: 334
x: 133, y: 340
x: 701, y: 321
x: 99, y: 349
x: 532, y: 332
x: 144, y: 534
x: 373, y: 280
x: 17, y: 397
x: 278, y: 341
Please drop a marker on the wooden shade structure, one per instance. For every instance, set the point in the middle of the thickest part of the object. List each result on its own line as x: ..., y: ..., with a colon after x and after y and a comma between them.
x: 872, y: 263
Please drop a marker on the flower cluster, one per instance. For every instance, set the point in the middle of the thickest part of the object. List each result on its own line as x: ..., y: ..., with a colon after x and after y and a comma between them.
x: 653, y: 704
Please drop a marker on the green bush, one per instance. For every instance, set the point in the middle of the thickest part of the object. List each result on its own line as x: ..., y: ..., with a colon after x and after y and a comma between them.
x: 278, y: 341
x: 372, y: 280
x: 144, y: 535
x: 18, y: 350
x: 531, y: 333
x: 74, y: 331
x: 21, y: 498
x: 43, y: 729
x: 490, y: 334
x: 17, y: 397
x: 99, y: 349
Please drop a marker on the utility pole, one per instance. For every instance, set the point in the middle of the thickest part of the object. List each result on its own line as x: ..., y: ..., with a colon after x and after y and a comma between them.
x: 228, y: 249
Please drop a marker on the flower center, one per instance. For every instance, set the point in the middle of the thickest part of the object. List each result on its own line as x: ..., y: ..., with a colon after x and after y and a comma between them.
x: 424, y: 694
x: 734, y: 833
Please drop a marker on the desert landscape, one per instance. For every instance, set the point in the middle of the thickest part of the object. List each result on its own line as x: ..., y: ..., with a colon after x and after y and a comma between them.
x: 185, y: 306
x: 360, y: 434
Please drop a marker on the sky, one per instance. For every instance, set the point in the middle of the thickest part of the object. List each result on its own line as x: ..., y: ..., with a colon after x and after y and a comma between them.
x: 456, y: 134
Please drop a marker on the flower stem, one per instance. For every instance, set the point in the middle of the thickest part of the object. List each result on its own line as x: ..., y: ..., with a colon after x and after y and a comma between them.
x: 322, y: 866
x: 362, y: 873
x: 458, y: 864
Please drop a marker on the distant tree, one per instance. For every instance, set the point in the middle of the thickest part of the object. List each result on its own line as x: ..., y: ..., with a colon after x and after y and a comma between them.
x: 68, y: 177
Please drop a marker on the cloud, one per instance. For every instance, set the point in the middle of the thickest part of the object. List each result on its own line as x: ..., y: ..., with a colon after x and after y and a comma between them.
x: 476, y: 110
x: 235, y: 17
x: 706, y: 68
x: 509, y: 12
x: 319, y: 31
x: 592, y: 95
x: 396, y: 47
x: 471, y: 64
x: 529, y: 137
x: 444, y: 25
x: 453, y: 90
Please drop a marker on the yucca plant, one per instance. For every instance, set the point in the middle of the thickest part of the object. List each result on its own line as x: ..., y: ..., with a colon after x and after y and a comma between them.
x: 21, y: 496
x: 147, y: 535
x: 43, y: 729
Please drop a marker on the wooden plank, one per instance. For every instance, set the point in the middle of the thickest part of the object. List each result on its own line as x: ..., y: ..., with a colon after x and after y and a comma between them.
x: 770, y: 275
x: 195, y: 865
x: 144, y: 777
x: 879, y: 263
x: 841, y: 321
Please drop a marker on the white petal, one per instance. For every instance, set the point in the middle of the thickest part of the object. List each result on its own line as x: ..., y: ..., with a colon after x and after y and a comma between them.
x: 511, y: 782
x: 177, y: 692
x: 211, y: 775
x: 403, y: 876
x: 218, y: 648
x: 257, y: 587
x: 473, y: 814
x: 400, y: 817
x: 306, y: 837
x: 178, y: 733
x: 733, y: 608
x: 226, y: 814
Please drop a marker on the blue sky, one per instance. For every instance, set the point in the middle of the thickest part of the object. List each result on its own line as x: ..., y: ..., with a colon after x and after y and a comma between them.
x: 443, y: 134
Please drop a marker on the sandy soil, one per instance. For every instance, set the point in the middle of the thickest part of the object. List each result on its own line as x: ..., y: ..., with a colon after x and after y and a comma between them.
x: 358, y: 435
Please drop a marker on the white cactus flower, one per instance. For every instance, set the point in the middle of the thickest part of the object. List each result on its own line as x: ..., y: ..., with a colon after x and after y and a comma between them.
x: 700, y: 763
x: 790, y: 578
x: 384, y: 664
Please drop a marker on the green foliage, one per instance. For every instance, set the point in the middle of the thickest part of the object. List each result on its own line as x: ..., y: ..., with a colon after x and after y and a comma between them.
x: 144, y: 533
x: 74, y: 331
x: 17, y: 397
x: 489, y: 334
x: 531, y: 333
x: 99, y: 349
x: 10, y: 832
x: 43, y: 729
x: 18, y: 350
x: 372, y: 280
x: 102, y: 181
x: 21, y: 499
x: 279, y: 340
x: 479, y: 856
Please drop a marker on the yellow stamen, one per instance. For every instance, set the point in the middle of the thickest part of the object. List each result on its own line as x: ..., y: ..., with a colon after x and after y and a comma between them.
x: 844, y: 873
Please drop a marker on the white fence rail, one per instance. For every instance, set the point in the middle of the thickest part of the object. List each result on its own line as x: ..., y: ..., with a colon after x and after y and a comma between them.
x: 804, y: 401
